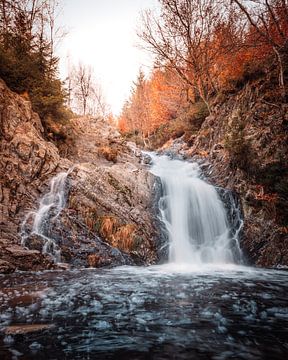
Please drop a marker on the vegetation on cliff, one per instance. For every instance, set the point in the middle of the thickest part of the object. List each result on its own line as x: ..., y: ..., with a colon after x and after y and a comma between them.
x: 217, y: 91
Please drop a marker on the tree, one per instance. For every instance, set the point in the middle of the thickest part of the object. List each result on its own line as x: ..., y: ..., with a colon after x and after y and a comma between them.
x: 85, y: 94
x: 139, y: 106
x: 270, y: 21
x: 83, y: 85
x: 153, y: 102
x: 27, y: 60
x: 98, y: 105
x: 181, y: 39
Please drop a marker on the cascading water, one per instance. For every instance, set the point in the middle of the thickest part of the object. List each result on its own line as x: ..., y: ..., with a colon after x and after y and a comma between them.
x: 160, y: 311
x: 50, y: 207
x: 193, y: 214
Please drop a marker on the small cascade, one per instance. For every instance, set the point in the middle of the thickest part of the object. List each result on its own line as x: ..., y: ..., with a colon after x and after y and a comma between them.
x: 193, y: 214
x: 50, y: 206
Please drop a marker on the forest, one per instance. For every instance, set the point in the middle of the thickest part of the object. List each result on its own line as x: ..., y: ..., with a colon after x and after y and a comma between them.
x: 204, y: 50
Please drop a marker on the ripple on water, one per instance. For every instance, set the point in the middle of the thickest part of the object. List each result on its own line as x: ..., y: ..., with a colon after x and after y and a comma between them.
x: 219, y: 314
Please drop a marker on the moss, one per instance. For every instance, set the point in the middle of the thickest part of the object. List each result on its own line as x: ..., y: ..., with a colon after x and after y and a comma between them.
x: 138, y: 241
x: 274, y: 178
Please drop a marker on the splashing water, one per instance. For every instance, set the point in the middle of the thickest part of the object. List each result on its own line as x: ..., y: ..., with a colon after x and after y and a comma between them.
x: 50, y: 206
x: 193, y: 214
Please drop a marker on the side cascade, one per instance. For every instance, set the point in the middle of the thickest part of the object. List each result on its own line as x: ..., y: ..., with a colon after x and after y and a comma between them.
x: 194, y: 215
x: 50, y: 207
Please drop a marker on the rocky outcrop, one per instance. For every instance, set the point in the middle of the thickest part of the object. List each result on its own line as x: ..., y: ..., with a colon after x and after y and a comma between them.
x: 26, y: 164
x: 107, y: 218
x: 243, y: 147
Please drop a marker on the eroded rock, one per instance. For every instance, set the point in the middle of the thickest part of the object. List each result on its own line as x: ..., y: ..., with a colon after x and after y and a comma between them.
x: 108, y: 218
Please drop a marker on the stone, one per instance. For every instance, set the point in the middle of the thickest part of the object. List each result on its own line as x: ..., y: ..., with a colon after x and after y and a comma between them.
x: 6, y: 267
x: 26, y: 329
x: 262, y: 239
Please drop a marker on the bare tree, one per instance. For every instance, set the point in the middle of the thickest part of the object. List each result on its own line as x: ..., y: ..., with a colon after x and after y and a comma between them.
x: 87, y: 92
x: 56, y: 33
x: 181, y: 39
x: 83, y: 85
x: 69, y: 81
x: 98, y: 105
x: 270, y: 20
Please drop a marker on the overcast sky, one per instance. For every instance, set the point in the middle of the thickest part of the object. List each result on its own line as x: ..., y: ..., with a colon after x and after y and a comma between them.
x: 102, y: 33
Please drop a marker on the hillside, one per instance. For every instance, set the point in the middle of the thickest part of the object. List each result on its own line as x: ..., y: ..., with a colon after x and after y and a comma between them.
x: 107, y: 194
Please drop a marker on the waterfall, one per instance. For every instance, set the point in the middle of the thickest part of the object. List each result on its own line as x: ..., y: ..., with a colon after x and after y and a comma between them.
x: 50, y: 207
x: 193, y: 214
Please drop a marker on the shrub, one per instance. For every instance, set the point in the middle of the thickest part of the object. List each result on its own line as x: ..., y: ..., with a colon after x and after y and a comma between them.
x: 238, y: 147
x: 108, y: 153
x: 187, y: 123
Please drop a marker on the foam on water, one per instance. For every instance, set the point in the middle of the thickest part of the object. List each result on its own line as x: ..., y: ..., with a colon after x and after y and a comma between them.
x: 134, y: 312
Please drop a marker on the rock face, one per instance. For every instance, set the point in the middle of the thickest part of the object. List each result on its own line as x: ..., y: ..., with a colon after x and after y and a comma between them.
x: 107, y: 219
x: 243, y: 147
x: 26, y: 164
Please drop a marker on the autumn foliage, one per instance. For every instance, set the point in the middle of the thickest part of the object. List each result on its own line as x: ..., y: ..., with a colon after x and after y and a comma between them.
x: 153, y: 102
x: 203, y: 48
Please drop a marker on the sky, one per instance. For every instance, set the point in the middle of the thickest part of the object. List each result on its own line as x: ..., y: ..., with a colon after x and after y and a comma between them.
x: 102, y: 33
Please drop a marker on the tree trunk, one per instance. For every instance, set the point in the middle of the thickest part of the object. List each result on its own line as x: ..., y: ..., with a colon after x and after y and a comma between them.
x: 281, y: 71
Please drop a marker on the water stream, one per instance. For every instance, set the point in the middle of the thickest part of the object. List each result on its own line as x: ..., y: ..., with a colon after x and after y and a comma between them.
x: 50, y: 207
x: 194, y: 215
x: 198, y: 306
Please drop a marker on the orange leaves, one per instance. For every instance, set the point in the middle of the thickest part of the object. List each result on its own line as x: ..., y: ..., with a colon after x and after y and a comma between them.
x: 236, y: 45
x: 153, y: 102
x: 163, y: 98
x: 123, y: 124
x: 260, y: 195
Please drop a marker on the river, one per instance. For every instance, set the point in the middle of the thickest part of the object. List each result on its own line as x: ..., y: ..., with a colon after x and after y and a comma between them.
x: 158, y: 312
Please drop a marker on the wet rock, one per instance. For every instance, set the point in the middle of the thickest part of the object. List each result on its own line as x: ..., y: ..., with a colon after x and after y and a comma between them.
x: 27, y: 162
x: 162, y: 243
x: 6, y: 267
x: 35, y: 242
x: 26, y: 329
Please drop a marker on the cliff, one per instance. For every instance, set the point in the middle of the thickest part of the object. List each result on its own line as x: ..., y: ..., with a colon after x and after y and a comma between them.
x: 107, y: 219
x: 243, y: 146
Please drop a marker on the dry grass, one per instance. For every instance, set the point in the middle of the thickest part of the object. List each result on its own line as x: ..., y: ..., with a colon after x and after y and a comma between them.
x: 120, y: 236
x: 108, y: 153
x: 123, y: 239
x: 108, y: 227
x: 90, y: 218
x: 93, y: 260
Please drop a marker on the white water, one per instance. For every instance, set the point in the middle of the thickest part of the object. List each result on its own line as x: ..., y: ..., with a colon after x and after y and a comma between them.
x: 193, y: 214
x: 54, y: 201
